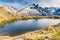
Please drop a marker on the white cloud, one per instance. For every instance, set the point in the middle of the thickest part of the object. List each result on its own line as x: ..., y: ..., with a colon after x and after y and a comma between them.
x: 52, y: 3
x: 42, y: 3
x: 16, y: 5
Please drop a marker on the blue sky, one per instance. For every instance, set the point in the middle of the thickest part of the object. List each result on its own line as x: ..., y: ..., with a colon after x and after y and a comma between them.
x: 17, y: 3
x: 23, y: 3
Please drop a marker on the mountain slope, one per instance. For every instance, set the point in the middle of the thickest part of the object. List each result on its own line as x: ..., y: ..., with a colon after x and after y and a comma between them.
x: 10, y: 8
x: 36, y: 10
x: 52, y: 10
x: 6, y: 16
x: 29, y: 11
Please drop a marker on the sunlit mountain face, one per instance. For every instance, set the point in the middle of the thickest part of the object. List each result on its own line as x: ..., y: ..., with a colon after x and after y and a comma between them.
x: 33, y: 7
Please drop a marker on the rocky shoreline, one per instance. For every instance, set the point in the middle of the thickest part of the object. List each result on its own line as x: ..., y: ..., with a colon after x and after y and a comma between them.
x: 49, y: 33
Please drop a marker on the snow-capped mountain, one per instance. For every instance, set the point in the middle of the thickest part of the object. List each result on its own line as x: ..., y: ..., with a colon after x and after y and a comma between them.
x: 29, y: 11
x: 57, y: 12
x: 34, y: 10
x: 10, y: 8
x: 52, y: 10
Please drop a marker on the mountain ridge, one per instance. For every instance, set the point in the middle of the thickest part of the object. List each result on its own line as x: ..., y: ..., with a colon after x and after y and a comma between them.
x: 34, y: 10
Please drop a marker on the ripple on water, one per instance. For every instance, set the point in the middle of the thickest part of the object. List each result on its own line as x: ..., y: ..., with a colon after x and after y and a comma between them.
x: 27, y: 25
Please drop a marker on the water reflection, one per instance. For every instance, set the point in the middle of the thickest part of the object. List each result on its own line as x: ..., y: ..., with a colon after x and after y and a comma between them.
x: 26, y: 25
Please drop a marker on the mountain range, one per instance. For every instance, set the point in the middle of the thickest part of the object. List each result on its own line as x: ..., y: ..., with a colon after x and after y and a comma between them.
x: 35, y: 10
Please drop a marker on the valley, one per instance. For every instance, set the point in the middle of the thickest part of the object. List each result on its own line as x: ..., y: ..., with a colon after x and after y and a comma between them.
x: 7, y: 17
x: 50, y: 32
x: 29, y: 19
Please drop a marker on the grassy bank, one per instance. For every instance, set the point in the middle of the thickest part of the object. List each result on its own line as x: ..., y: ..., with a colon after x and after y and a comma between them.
x: 8, y: 17
x: 50, y: 33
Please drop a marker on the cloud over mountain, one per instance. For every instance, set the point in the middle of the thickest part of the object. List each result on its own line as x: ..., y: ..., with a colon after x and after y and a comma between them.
x: 23, y: 3
x: 52, y: 3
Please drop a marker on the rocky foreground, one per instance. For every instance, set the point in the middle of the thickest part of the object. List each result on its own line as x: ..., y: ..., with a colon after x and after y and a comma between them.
x: 48, y: 33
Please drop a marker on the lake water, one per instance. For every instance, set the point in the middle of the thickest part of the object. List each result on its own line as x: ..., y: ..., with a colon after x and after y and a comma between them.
x: 26, y: 26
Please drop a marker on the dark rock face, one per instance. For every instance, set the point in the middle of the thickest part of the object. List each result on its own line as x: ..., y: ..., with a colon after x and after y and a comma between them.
x: 47, y: 11
x: 36, y: 10
x: 57, y: 12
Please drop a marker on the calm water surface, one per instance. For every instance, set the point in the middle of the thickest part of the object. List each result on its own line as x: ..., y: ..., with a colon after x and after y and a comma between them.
x: 27, y: 25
